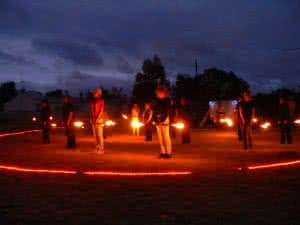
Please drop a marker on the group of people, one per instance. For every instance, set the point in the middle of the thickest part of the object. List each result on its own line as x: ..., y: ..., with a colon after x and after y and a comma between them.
x: 67, y: 118
x: 161, y: 113
x: 245, y: 111
x: 181, y: 113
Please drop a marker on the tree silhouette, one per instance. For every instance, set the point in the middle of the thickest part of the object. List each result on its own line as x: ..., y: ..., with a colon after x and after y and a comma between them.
x: 153, y: 72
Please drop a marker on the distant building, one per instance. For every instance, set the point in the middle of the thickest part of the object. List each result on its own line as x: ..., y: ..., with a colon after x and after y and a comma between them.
x: 24, y: 102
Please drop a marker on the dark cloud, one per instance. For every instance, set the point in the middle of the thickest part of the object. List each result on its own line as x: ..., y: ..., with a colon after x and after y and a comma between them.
x: 114, y: 37
x: 76, y: 53
x: 8, y: 58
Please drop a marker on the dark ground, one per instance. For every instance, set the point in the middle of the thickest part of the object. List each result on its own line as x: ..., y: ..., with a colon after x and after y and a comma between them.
x: 216, y: 193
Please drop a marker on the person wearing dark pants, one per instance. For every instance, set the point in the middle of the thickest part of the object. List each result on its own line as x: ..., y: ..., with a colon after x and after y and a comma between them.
x: 185, y: 115
x: 68, y: 115
x: 147, y: 119
x: 45, y: 114
x: 284, y: 121
x: 247, y: 111
x: 238, y: 120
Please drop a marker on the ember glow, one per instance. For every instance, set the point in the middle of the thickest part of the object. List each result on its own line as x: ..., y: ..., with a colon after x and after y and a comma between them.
x: 110, y: 123
x: 125, y: 117
x: 78, y: 124
x: 19, y: 133
x: 228, y: 121
x: 34, y: 119
x: 297, y: 121
x: 109, y: 173
x: 265, y: 125
x: 53, y: 125
x: 254, y: 120
x: 31, y: 170
x: 272, y: 165
x: 51, y: 118
x: 179, y: 125
x: 136, y: 124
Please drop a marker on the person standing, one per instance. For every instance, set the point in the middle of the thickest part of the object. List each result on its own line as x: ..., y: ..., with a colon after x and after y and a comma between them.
x: 173, y: 117
x: 284, y: 120
x: 135, y: 112
x: 97, y: 121
x: 238, y: 120
x: 161, y: 117
x: 185, y: 115
x: 247, y: 112
x: 68, y: 115
x: 147, y: 120
x: 45, y: 114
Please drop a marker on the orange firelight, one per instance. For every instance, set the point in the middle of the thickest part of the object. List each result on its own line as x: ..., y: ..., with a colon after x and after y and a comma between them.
x: 228, y: 121
x: 136, y: 124
x: 125, y: 117
x: 110, y: 173
x: 110, y: 123
x: 297, y: 121
x: 272, y: 165
x: 78, y: 124
x: 179, y: 125
x: 53, y: 125
x: 31, y: 170
x: 265, y: 125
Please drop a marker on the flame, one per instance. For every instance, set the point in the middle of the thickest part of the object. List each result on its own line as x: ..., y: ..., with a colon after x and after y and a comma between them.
x: 110, y: 123
x: 34, y: 119
x: 254, y: 120
x: 297, y: 121
x: 78, y: 124
x: 265, y: 125
x: 93, y: 173
x: 136, y: 124
x: 19, y: 133
x: 178, y: 125
x: 51, y: 118
x: 109, y: 173
x: 53, y: 125
x: 272, y: 165
x: 124, y: 116
x: 31, y: 170
x: 228, y: 121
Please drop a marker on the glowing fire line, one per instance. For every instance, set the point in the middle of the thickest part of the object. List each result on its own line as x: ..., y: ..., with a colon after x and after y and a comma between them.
x: 92, y: 173
x: 19, y: 133
x: 31, y: 170
x: 108, y: 173
x: 272, y: 165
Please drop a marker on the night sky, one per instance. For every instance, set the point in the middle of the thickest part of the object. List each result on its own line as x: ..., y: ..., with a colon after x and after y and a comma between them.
x: 80, y: 43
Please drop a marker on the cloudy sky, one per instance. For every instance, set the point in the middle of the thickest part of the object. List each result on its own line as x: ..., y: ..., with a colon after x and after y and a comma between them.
x: 77, y: 44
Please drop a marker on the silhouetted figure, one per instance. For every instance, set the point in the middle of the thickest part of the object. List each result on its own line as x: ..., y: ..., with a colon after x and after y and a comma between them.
x: 161, y: 115
x: 284, y: 120
x: 147, y: 120
x: 45, y: 121
x: 97, y: 121
x: 247, y: 111
x: 68, y: 115
x: 173, y: 117
x: 185, y: 115
x: 239, y: 124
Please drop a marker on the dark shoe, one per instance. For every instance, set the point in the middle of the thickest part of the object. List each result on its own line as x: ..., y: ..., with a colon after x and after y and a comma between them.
x: 168, y: 156
x: 162, y: 156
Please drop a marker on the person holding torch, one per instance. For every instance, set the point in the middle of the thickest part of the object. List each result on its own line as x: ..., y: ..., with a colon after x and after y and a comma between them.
x: 161, y: 115
x: 96, y: 118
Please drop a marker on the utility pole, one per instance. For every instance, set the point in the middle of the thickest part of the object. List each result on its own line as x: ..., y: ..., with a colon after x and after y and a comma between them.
x: 196, y: 67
